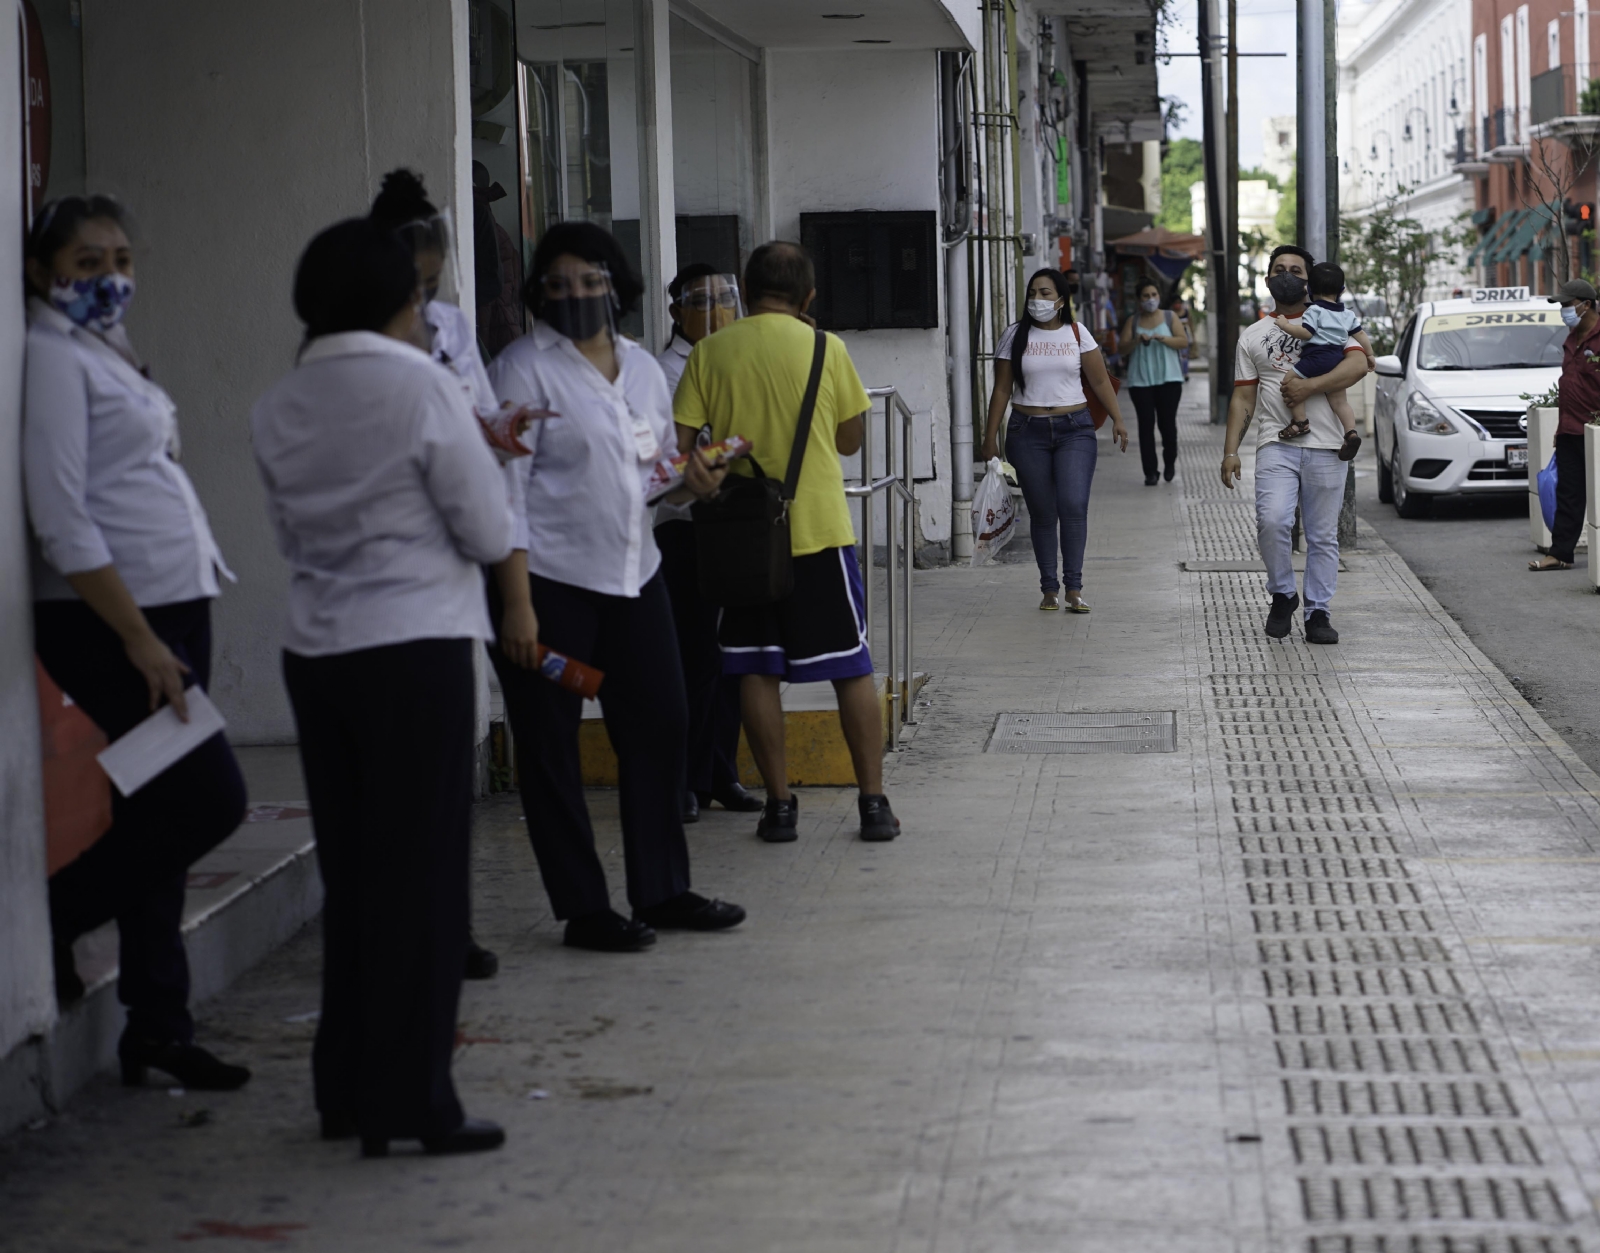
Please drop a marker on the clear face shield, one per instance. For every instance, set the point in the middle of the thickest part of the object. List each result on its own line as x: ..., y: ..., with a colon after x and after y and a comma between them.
x: 578, y: 298
x: 432, y: 244
x: 708, y: 304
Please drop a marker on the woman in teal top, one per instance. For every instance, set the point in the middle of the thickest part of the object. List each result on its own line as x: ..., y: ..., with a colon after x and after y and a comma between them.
x: 1151, y: 340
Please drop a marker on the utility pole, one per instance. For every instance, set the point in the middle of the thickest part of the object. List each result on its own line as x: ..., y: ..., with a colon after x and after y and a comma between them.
x: 1230, y: 180
x: 1222, y: 300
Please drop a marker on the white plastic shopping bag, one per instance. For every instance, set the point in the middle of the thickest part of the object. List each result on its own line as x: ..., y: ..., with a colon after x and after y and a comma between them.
x: 994, y: 516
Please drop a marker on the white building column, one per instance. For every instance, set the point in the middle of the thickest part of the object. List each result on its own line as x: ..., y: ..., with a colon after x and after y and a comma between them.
x: 658, y: 236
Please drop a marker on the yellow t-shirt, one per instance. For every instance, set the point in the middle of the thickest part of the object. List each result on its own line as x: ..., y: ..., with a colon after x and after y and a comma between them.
x: 749, y: 379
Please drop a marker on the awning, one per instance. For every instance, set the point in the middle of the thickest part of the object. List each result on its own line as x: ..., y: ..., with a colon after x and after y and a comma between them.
x: 1481, y: 218
x: 1501, y: 230
x: 1157, y: 241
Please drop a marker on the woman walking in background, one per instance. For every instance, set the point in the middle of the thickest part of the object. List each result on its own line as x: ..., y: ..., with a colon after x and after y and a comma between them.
x: 1046, y: 360
x: 385, y: 500
x: 124, y: 573
x: 1151, y: 340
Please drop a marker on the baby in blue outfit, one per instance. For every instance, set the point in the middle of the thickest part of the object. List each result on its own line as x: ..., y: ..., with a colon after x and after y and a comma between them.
x: 1326, y: 325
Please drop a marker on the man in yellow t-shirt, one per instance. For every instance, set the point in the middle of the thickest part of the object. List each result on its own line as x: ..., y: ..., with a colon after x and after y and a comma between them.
x: 749, y: 379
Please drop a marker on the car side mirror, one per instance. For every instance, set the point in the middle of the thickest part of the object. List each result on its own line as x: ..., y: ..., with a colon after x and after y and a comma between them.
x: 1389, y: 367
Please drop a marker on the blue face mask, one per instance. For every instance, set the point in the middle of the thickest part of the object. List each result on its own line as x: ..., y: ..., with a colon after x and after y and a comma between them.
x: 96, y: 304
x: 1570, y: 315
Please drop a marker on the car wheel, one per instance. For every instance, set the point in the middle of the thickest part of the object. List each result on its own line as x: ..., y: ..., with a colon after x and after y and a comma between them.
x: 1385, y: 483
x: 1407, y: 504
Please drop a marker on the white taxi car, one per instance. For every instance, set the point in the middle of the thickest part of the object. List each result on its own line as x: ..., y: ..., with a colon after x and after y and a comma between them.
x: 1449, y: 416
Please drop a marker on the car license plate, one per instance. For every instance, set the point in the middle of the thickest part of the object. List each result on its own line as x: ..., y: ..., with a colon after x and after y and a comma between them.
x: 1517, y: 456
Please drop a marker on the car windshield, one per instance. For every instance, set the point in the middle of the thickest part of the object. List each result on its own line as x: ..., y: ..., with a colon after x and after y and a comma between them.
x: 1509, y: 339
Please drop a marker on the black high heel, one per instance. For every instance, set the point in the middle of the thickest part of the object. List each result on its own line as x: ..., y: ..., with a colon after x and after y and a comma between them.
x: 191, y: 1065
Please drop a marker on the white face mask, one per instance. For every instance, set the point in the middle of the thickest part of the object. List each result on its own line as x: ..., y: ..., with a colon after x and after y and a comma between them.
x: 1150, y: 304
x: 1042, y: 310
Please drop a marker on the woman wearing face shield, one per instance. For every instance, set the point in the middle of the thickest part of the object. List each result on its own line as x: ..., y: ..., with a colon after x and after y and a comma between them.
x: 124, y: 572
x: 1048, y: 361
x: 703, y: 301
x: 1151, y: 340
x: 385, y: 501
x: 594, y: 569
x: 403, y: 208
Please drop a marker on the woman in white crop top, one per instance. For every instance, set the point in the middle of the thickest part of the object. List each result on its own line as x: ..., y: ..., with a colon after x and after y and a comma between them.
x: 1041, y: 365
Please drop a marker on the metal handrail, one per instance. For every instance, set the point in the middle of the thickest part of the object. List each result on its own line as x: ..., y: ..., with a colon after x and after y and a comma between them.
x: 898, y: 485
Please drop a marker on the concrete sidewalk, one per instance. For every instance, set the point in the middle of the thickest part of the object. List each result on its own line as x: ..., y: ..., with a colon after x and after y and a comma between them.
x: 1321, y: 979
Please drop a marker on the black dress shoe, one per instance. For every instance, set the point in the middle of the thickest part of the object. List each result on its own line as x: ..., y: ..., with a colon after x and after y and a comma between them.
x: 608, y: 932
x: 189, y: 1064
x: 733, y: 798
x: 689, y: 911
x: 481, y: 963
x: 475, y: 1135
x: 1169, y: 472
x: 780, y: 821
x: 339, y: 1127
x: 691, y: 808
x: 1150, y: 480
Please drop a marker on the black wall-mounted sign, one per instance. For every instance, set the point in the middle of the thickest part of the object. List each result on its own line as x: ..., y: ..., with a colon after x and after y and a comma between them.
x: 875, y: 270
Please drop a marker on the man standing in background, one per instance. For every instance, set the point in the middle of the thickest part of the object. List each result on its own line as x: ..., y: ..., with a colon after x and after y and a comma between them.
x: 1579, y: 402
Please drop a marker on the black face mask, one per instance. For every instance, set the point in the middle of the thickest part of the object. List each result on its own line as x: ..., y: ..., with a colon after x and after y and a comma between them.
x: 1287, y: 289
x: 578, y: 317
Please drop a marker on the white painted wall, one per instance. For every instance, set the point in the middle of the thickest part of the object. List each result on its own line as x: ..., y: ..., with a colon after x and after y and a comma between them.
x: 235, y: 133
x: 887, y: 103
x: 27, y: 1000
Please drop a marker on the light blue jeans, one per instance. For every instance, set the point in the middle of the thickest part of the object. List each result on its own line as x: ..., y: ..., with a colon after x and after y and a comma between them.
x: 1312, y: 478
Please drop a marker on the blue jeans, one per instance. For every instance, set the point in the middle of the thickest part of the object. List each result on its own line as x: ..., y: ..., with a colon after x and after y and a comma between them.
x: 1312, y: 478
x: 1054, y: 455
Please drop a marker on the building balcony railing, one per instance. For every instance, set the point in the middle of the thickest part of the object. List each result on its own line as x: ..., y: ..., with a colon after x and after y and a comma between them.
x: 1562, y: 108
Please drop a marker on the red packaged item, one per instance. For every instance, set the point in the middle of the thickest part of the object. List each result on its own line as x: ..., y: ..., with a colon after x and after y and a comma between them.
x: 572, y: 675
x: 667, y: 477
x: 503, y: 428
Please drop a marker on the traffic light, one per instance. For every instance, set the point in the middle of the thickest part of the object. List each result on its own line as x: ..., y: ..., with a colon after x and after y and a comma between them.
x: 1578, y: 217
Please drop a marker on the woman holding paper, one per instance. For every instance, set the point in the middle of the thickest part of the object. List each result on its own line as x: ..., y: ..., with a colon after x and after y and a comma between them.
x: 385, y: 501
x: 124, y: 572
x: 593, y: 566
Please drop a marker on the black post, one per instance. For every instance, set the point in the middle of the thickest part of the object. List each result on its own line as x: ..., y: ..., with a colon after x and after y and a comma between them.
x: 1223, y: 312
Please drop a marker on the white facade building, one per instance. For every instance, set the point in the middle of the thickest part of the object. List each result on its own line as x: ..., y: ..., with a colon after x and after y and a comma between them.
x: 1278, y: 146
x: 1405, y: 91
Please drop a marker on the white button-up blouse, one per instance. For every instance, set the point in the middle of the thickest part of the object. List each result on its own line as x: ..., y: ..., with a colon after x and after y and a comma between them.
x: 383, y: 495
x: 583, y: 487
x: 99, y: 449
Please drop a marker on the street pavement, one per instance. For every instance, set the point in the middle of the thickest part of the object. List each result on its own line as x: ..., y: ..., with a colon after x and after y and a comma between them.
x: 1543, y: 630
x: 1321, y: 978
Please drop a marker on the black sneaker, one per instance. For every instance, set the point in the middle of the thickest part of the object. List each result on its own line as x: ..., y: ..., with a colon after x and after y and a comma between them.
x: 1319, y: 630
x: 689, y: 911
x: 878, y: 822
x: 780, y: 821
x: 1282, y: 614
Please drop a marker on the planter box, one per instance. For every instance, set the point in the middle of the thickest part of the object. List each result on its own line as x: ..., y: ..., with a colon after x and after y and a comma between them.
x: 1541, y: 446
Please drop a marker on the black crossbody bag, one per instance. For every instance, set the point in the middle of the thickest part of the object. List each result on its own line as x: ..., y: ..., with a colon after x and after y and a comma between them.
x: 741, y: 534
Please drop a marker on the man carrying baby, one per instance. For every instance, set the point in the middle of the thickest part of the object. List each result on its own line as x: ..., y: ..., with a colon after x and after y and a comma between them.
x: 1325, y: 328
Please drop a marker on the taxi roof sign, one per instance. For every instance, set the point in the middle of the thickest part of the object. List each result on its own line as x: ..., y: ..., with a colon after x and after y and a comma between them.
x: 1498, y: 295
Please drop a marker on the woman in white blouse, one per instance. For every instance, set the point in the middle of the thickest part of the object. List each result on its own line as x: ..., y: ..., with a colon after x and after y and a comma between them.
x: 593, y: 567
x: 385, y: 501
x: 124, y: 572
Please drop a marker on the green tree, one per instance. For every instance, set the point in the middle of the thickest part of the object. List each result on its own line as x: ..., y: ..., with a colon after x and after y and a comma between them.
x: 1258, y: 175
x: 1388, y: 254
x: 1182, y: 166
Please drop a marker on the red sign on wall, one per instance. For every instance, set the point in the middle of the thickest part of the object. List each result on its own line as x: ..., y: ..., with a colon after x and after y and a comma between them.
x: 35, y: 110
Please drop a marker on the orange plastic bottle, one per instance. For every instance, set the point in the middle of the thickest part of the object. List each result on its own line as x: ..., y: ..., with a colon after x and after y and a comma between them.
x: 572, y: 675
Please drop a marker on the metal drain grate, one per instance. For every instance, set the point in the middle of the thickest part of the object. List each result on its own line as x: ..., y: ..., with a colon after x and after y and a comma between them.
x: 1133, y: 731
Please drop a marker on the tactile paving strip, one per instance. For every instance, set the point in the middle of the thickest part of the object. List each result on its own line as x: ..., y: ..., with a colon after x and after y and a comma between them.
x: 1403, y: 1123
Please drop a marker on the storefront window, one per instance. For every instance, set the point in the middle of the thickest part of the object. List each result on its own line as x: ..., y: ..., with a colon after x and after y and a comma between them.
x: 713, y: 147
x: 577, y: 118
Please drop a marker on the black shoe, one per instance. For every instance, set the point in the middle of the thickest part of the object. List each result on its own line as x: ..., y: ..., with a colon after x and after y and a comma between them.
x: 1319, y: 630
x: 69, y: 983
x: 475, y: 1135
x: 780, y: 821
x: 339, y: 1127
x: 1150, y: 480
x: 691, y: 808
x: 733, y: 798
x: 878, y: 822
x: 1282, y: 613
x: 481, y: 963
x: 689, y: 911
x: 607, y: 932
x: 1169, y: 472
x: 189, y: 1064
